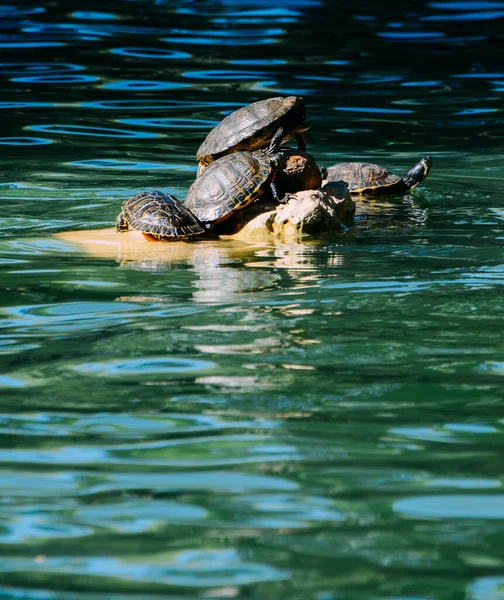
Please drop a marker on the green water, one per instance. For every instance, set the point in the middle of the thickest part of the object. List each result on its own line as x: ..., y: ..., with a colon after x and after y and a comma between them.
x: 320, y: 420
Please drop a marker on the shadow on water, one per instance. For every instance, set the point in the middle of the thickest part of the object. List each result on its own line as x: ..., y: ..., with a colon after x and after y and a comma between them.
x: 315, y: 420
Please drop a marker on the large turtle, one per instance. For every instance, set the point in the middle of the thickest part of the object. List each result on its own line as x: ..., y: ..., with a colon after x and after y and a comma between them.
x: 253, y: 127
x: 158, y: 216
x: 366, y: 178
x: 233, y: 181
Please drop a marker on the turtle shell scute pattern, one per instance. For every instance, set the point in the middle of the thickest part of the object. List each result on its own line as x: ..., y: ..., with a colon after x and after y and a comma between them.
x: 362, y: 176
x: 158, y: 214
x: 229, y: 184
x: 251, y: 127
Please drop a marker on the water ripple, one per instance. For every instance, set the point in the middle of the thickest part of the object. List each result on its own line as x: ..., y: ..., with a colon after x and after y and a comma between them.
x: 142, y: 85
x: 153, y: 104
x: 144, y: 366
x: 93, y: 15
x: 125, y: 165
x: 189, y: 568
x: 59, y: 79
x: 24, y: 141
x: 13, y: 11
x: 40, y: 68
x: 172, y: 123
x: 362, y: 109
x: 37, y: 44
x: 201, y: 40
x: 453, y: 507
x: 151, y: 53
x: 223, y: 75
x: 470, y: 16
x: 92, y: 131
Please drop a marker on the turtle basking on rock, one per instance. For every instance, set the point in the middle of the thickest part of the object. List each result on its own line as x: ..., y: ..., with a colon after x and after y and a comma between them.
x: 234, y: 181
x: 238, y: 163
x: 229, y: 184
x: 253, y: 127
x: 158, y: 216
x: 367, y: 178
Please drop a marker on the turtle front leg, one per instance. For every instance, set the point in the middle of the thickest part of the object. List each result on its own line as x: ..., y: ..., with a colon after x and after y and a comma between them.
x: 301, y: 141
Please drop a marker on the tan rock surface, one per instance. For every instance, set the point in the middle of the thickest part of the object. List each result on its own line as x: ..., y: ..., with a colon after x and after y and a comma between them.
x: 339, y: 194
x: 306, y: 212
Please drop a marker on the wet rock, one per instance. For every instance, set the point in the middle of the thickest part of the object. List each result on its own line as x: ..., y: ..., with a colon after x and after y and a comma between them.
x: 300, y: 172
x: 340, y: 195
x: 311, y: 211
x: 305, y: 212
x: 240, y: 218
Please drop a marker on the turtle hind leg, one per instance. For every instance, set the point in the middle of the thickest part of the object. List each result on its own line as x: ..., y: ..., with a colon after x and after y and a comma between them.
x: 275, y: 142
x: 418, y: 173
x: 276, y: 197
x: 121, y: 223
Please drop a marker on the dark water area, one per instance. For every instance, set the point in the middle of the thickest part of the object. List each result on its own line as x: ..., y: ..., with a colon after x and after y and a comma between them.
x: 321, y: 420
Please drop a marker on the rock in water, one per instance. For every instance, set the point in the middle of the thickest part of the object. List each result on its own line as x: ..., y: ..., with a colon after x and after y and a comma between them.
x: 340, y: 194
x: 312, y: 211
x: 299, y: 172
x: 306, y: 212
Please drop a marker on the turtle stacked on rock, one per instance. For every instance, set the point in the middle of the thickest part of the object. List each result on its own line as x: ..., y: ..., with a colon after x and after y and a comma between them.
x: 241, y: 161
x: 367, y: 178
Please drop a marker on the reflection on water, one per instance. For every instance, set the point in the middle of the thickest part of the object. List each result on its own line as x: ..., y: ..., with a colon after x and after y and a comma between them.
x: 310, y: 420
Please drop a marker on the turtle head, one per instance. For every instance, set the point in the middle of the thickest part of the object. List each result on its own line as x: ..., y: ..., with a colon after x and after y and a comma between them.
x: 418, y: 173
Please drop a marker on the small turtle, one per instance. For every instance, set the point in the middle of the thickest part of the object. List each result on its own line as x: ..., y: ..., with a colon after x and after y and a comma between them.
x: 366, y: 178
x: 234, y: 181
x: 253, y: 127
x: 158, y: 216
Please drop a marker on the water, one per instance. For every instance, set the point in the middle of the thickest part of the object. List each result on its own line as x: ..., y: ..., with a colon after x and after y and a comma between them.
x: 318, y: 420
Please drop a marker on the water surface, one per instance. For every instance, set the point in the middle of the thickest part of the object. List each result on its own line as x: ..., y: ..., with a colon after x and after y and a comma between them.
x: 317, y: 420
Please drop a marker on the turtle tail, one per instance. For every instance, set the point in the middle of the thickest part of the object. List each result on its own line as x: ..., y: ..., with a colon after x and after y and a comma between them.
x: 418, y: 173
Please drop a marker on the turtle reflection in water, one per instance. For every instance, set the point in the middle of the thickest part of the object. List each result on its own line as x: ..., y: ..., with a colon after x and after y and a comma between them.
x: 366, y: 178
x: 227, y: 185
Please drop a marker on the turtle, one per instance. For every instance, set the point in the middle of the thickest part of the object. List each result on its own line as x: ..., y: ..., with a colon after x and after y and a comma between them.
x: 159, y: 216
x: 253, y: 127
x: 366, y: 178
x: 233, y: 181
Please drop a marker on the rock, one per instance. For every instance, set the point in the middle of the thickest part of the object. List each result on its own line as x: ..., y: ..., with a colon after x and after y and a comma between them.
x: 310, y: 211
x: 300, y: 172
x: 257, y: 229
x: 340, y: 195
x: 240, y: 218
x: 306, y: 212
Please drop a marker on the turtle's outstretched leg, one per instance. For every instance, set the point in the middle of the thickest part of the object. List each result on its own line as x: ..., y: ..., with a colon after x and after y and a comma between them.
x: 301, y: 141
x: 418, y: 173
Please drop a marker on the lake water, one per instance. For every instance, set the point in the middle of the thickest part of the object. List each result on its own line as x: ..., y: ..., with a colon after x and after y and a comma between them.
x: 321, y: 420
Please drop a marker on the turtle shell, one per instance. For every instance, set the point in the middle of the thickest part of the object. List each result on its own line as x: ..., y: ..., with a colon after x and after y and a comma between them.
x: 363, y: 177
x: 158, y: 215
x: 229, y: 184
x: 252, y: 127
